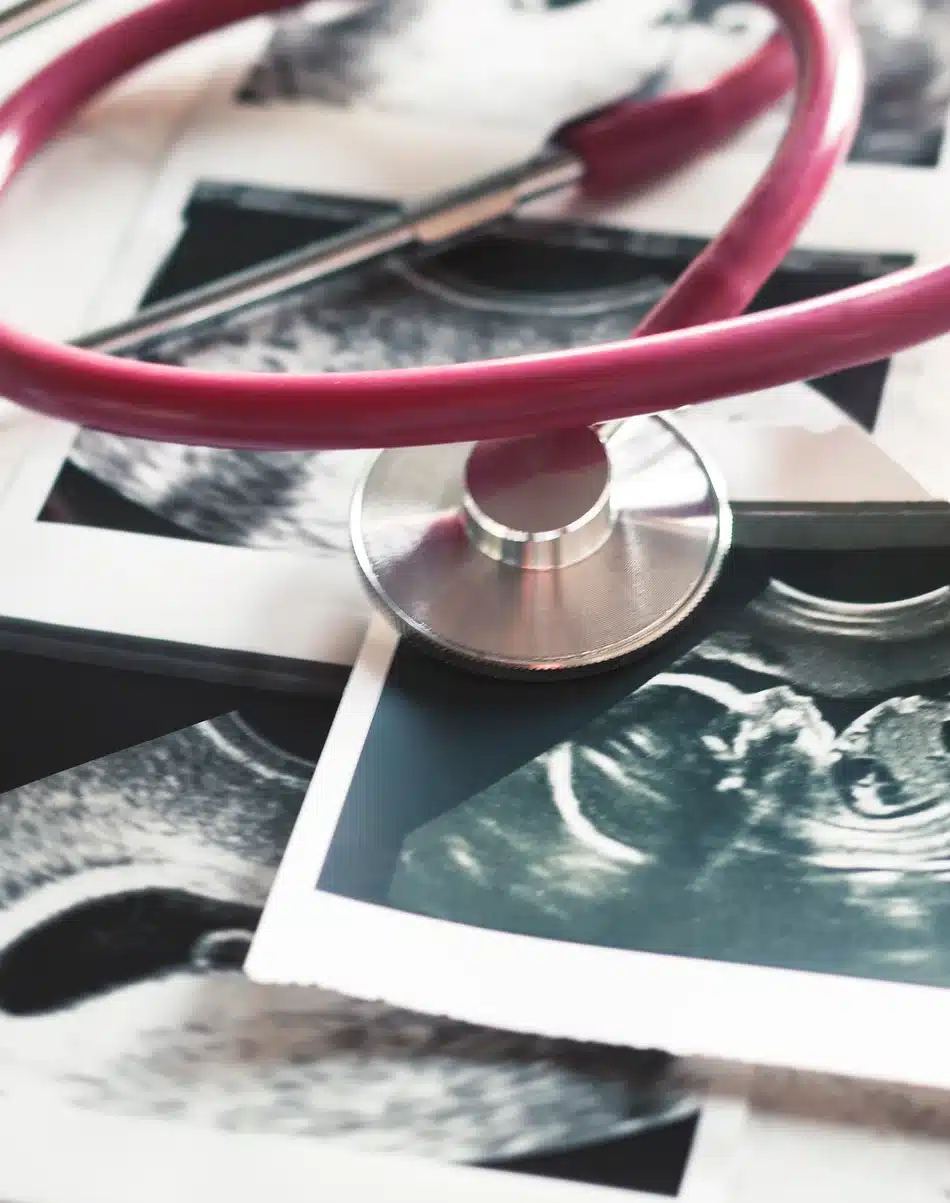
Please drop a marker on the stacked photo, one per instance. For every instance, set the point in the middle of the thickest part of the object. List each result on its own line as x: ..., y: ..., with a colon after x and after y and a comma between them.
x: 508, y: 913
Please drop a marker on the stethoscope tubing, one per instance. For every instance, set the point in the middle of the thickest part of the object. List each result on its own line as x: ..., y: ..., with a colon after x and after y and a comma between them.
x: 692, y: 348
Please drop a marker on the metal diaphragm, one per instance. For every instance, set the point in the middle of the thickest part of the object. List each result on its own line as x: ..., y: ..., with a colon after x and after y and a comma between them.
x: 562, y: 552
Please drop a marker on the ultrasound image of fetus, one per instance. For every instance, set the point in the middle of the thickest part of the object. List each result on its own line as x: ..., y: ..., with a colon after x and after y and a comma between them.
x: 537, y: 291
x: 129, y: 889
x: 780, y: 796
x: 524, y: 287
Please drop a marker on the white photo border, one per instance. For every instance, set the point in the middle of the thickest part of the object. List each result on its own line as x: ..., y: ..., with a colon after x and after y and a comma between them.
x: 748, y: 1014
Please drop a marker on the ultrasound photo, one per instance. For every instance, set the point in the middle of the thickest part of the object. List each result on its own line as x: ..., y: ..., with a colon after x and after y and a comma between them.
x: 534, y: 63
x: 777, y: 797
x: 541, y: 61
x: 772, y: 789
x: 138, y: 849
x: 524, y: 287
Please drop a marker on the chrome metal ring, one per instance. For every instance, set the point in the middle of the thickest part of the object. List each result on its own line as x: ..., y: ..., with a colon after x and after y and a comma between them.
x: 563, y: 553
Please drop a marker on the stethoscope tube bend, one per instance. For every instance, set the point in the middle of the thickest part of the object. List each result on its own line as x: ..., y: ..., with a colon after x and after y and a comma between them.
x: 498, y: 470
x: 693, y: 347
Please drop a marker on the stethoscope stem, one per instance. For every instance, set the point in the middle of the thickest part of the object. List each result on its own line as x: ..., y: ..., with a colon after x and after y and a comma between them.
x: 436, y: 221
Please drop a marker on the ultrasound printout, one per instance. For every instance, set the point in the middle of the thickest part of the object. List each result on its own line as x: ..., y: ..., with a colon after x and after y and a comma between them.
x: 525, y: 287
x: 743, y: 828
x: 137, y: 854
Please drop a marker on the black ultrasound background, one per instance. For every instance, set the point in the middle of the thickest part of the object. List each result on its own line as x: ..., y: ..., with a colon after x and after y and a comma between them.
x: 230, y: 227
x: 67, y: 715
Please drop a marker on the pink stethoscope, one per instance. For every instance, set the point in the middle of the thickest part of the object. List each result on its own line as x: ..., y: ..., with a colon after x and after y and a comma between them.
x: 513, y: 522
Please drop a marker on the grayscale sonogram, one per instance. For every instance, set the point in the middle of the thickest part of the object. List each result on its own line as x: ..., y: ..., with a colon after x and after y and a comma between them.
x: 523, y: 287
x: 549, y: 60
x: 130, y: 887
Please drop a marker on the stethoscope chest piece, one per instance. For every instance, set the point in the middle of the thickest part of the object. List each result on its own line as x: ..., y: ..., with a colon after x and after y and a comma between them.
x: 562, y: 552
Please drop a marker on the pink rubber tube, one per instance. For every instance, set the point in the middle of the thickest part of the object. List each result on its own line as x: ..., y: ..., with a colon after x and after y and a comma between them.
x: 717, y: 354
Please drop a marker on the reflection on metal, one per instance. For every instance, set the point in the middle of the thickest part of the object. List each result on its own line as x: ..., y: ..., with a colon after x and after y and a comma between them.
x: 629, y: 573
